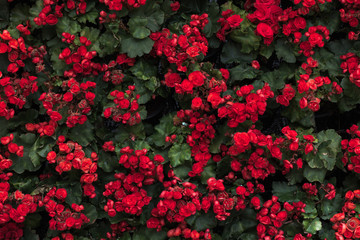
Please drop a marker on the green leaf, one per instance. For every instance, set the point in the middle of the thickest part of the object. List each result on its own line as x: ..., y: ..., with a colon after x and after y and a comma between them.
x: 40, y: 149
x: 219, y: 139
x: 148, y: 234
x: 330, y: 146
x: 209, y: 171
x: 137, y: 27
x: 310, y: 211
x: 267, y: 51
x: 182, y: 171
x: 19, y: 14
x: 144, y: 98
x: 231, y: 52
x: 331, y: 207
x: 22, y: 118
x: 74, y: 192
x: 277, y: 78
x: 328, y: 62
x: 246, y: 220
x: 295, y: 176
x: 350, y: 97
x: 339, y: 47
x: 248, y: 40
x: 249, y: 236
x: 152, y: 84
x: 58, y: 65
x: 65, y: 24
x: 213, y: 26
x: 285, y: 51
x: 230, y: 5
x: 205, y: 221
x: 82, y: 134
x: 36, y: 9
x: 164, y: 128
x: 304, y: 117
x: 91, y: 34
x: 314, y: 174
x: 285, y: 192
x: 33, y: 220
x: 107, y: 162
x: 26, y: 185
x: 108, y: 43
x: 292, y: 228
x: 243, y: 71
x: 197, y: 6
x: 30, y: 234
x: 136, y: 47
x: 312, y: 225
x: 314, y: 161
x: 330, y: 20
x: 21, y: 164
x: 152, y: 13
x: 143, y: 69
x: 4, y: 14
x: 90, y: 212
x: 4, y: 130
x: 141, y: 144
x: 89, y: 17
x: 326, y: 231
x: 179, y: 153
x: 125, y: 236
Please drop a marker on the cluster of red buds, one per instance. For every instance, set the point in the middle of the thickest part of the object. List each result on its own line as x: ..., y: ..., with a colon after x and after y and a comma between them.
x: 229, y: 22
x: 14, y: 206
x: 117, y: 5
x: 76, y: 100
x: 79, y: 57
x: 309, y: 65
x: 351, y: 65
x: 272, y: 216
x: 186, y: 46
x: 310, y: 87
x: 179, y: 203
x: 14, y: 88
x: 248, y: 104
x: 243, y: 141
x: 312, y: 190
x: 350, y: 13
x: 306, y: 5
x: 115, y: 75
x: 351, y: 148
x: 186, y: 233
x: 316, y: 36
x: 267, y: 24
x: 9, y: 147
x: 246, y: 191
x: 71, y: 155
x: 297, y: 144
x: 62, y: 218
x: 43, y: 128
x: 126, y: 109
x: 219, y: 199
x: 293, y: 24
x: 288, y: 93
x: 118, y: 228
x: 347, y: 223
x: 52, y: 11
x: 199, y: 140
x: 255, y: 167
x: 127, y: 191
x: 206, y: 89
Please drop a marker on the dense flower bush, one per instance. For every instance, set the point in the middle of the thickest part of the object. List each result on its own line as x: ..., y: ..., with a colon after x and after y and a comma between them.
x: 191, y: 119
